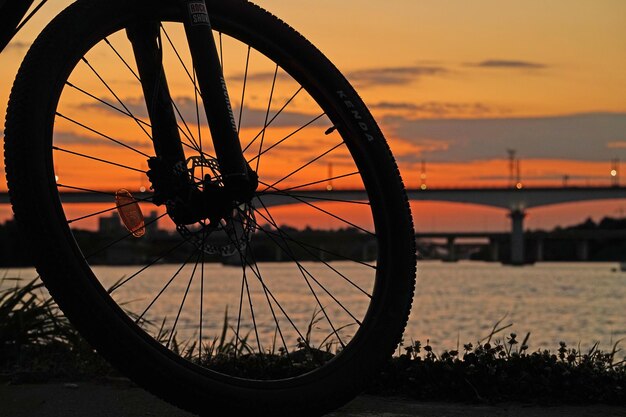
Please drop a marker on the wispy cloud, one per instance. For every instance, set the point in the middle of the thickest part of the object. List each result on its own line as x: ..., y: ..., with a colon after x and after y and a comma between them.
x: 507, y: 64
x: 619, y: 144
x: 388, y: 76
x: 18, y: 45
x: 440, y: 109
x: 260, y: 77
x: 70, y: 138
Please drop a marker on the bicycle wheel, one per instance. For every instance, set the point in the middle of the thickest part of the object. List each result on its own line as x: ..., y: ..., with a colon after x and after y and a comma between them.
x: 291, y: 303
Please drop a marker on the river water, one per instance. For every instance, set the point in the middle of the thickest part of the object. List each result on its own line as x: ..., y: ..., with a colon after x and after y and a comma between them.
x: 454, y: 302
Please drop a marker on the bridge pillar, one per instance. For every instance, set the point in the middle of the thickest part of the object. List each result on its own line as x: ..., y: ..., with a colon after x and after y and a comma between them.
x: 517, y: 236
x: 451, y: 250
x: 539, y: 250
x: 494, y: 250
x: 582, y: 250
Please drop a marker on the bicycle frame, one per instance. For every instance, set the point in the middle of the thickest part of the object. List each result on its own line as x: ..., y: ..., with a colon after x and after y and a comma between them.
x: 237, y: 176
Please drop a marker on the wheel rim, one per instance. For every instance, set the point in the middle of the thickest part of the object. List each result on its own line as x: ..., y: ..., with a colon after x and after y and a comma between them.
x: 257, y: 321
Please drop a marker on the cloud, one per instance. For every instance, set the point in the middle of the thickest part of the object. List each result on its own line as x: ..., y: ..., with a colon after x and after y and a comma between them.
x: 18, y: 46
x: 411, y: 152
x: 262, y: 77
x: 578, y: 136
x: 620, y: 144
x: 69, y: 138
x: 440, y: 109
x: 364, y: 77
x: 505, y: 63
x: 392, y: 75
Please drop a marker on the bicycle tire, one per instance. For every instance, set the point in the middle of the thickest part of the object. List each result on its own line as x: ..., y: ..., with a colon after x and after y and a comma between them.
x: 40, y: 213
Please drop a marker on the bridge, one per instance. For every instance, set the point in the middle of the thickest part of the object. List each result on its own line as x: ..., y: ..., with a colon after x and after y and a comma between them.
x: 534, y: 241
x: 516, y: 201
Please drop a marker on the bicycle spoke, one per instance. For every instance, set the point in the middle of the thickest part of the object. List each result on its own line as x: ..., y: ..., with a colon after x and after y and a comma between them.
x: 325, y: 180
x: 273, y: 118
x: 243, y: 91
x: 221, y: 53
x: 148, y: 265
x: 106, y: 103
x: 182, y: 303
x: 304, y: 273
x: 189, y: 137
x: 139, y: 121
x: 102, y: 134
x: 267, y: 113
x: 290, y: 254
x: 201, y: 298
x: 165, y: 287
x: 243, y: 263
x: 85, y: 189
x: 127, y: 235
x: 311, y: 197
x: 253, y: 265
x: 281, y: 192
x: 56, y: 148
x: 147, y: 125
x: 180, y: 59
x: 105, y: 161
x: 126, y: 64
x: 268, y: 293
x: 198, y: 120
x: 317, y: 158
x: 28, y: 17
x: 115, y: 95
x: 254, y: 325
x: 286, y: 236
x: 273, y: 223
x: 319, y: 249
x: 243, y: 277
x: 88, y: 216
x: 286, y: 137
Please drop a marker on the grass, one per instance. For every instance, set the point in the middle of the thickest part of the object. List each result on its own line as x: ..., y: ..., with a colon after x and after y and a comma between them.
x: 37, y: 343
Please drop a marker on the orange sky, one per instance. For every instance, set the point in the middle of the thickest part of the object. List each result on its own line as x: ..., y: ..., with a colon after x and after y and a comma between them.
x: 452, y: 83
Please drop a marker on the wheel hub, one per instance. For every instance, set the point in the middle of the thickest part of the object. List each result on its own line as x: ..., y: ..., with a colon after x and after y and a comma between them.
x: 201, y: 206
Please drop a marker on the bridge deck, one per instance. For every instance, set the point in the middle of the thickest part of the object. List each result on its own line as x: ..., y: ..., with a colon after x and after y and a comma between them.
x: 507, y: 198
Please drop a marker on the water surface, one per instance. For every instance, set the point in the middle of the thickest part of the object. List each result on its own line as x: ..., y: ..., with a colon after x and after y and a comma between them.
x: 454, y: 303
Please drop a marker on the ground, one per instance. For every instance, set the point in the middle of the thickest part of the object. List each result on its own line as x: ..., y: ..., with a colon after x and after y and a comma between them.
x: 120, y: 398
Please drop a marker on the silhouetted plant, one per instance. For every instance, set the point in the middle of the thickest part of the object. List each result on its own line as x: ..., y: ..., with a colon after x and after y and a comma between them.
x: 503, y: 370
x: 36, y: 340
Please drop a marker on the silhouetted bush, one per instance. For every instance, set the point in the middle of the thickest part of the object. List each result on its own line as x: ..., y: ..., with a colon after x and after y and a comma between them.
x: 505, y: 371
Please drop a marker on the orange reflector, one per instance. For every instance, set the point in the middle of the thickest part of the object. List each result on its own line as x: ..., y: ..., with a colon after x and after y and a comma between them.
x: 130, y: 213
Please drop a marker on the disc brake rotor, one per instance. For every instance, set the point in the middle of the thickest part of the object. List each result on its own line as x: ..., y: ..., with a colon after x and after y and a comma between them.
x: 233, y: 233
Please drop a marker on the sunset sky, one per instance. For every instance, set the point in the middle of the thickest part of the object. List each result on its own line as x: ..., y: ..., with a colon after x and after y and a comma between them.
x: 457, y: 83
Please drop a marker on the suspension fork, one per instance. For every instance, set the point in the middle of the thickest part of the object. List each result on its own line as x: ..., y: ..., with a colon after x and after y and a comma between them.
x: 238, y: 178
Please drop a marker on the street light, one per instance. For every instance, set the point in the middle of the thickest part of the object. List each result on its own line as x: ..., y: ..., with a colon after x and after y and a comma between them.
x: 423, y: 176
x: 614, y: 172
